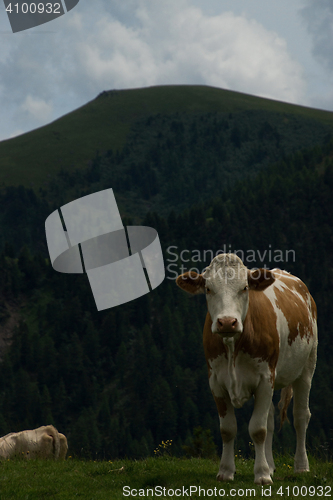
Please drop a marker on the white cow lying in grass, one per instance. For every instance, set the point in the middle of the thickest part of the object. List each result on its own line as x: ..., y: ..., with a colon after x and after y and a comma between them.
x: 44, y: 442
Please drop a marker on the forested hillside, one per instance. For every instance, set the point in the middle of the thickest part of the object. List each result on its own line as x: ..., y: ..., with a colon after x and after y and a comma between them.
x: 120, y: 381
x: 172, y: 162
x: 105, y: 123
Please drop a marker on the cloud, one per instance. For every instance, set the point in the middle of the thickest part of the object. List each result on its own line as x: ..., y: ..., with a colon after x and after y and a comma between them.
x: 318, y: 16
x: 103, y: 45
x: 179, y: 44
x: 37, y: 108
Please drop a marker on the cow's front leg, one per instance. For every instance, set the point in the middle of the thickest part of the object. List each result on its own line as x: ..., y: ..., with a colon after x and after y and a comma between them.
x: 228, y: 427
x: 258, y: 431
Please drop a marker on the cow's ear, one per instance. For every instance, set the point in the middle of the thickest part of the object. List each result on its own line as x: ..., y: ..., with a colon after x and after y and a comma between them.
x: 259, y: 279
x: 191, y: 282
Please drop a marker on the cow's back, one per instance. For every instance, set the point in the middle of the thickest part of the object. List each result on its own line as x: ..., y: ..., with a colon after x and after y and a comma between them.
x: 43, y: 442
x: 296, y: 324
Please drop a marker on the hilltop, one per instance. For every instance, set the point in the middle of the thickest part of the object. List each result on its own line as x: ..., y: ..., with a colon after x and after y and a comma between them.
x: 105, y: 123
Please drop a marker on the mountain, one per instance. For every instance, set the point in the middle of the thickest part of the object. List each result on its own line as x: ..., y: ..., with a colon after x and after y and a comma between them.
x: 103, y: 124
x: 210, y: 170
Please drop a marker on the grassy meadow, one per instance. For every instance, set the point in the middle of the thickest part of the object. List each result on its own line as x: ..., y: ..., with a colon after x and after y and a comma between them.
x: 119, y: 479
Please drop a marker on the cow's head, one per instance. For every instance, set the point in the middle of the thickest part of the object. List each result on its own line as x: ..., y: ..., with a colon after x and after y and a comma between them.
x: 226, y: 282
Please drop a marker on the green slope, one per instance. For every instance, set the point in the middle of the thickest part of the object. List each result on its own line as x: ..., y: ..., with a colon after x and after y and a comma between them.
x: 118, y: 479
x: 104, y: 123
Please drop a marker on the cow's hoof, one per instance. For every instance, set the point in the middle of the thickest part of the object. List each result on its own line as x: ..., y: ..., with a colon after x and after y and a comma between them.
x: 263, y: 480
x: 225, y: 476
x: 301, y: 470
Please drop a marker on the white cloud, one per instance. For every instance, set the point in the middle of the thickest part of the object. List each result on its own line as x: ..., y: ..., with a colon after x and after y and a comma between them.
x: 102, y: 45
x: 37, y: 108
x: 183, y: 45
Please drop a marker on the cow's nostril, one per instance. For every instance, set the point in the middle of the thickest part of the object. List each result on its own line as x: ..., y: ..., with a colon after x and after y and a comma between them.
x: 227, y: 324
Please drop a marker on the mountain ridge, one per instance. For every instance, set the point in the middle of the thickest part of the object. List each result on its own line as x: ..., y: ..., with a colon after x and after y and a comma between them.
x: 104, y: 123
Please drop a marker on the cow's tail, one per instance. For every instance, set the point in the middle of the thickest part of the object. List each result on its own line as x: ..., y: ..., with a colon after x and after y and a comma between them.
x: 286, y: 397
x: 52, y: 431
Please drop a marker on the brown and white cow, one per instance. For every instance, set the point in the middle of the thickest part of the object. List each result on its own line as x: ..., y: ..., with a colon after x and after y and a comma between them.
x: 260, y: 334
x: 44, y: 442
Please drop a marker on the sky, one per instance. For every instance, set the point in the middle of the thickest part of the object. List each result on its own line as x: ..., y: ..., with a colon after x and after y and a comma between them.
x: 281, y: 50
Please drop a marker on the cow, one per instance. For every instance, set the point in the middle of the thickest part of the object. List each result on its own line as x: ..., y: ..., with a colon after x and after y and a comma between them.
x: 260, y: 334
x: 44, y: 442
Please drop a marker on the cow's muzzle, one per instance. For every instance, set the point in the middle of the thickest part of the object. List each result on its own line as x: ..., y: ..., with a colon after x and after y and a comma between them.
x: 228, y: 326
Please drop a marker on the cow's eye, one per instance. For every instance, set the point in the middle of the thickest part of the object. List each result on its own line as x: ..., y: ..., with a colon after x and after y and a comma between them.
x: 207, y: 290
x: 245, y: 288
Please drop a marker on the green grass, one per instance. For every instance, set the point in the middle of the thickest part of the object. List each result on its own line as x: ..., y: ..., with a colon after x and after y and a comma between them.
x: 104, y: 123
x: 89, y: 480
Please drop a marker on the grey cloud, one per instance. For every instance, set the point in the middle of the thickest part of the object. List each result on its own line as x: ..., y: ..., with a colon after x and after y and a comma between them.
x: 102, y: 45
x: 318, y: 16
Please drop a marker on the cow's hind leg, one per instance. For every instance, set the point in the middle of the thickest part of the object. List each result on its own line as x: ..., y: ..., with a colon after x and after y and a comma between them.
x: 228, y: 427
x: 258, y: 431
x: 269, y: 440
x: 301, y: 412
